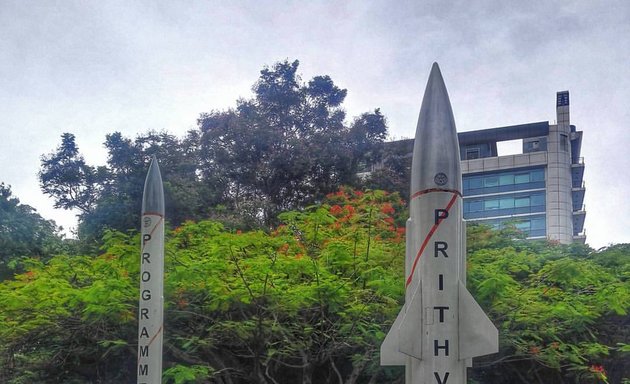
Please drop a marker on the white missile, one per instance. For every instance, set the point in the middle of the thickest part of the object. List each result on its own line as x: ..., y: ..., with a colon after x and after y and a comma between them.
x: 151, y: 312
x: 440, y: 327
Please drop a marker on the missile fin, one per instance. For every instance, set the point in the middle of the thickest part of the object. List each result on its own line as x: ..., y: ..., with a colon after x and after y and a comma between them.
x: 477, y: 334
x: 390, y: 355
x: 410, y: 331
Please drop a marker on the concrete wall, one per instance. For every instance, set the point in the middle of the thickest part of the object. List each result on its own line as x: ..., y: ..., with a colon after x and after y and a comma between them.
x: 559, y: 184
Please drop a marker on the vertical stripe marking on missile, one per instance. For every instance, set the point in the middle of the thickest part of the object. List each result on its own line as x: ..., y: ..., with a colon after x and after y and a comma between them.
x: 426, y: 240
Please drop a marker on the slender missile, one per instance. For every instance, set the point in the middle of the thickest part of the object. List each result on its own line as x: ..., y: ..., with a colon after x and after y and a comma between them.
x: 440, y: 327
x: 151, y: 313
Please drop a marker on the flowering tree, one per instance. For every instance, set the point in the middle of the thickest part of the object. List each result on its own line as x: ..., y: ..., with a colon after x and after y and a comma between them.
x: 310, y: 302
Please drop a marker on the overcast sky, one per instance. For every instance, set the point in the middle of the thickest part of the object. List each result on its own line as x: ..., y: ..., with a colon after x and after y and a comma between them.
x: 95, y: 67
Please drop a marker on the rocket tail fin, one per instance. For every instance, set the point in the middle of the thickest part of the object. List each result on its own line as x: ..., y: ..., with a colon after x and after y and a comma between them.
x: 390, y: 354
x: 477, y: 334
x: 410, y: 332
x: 404, y: 338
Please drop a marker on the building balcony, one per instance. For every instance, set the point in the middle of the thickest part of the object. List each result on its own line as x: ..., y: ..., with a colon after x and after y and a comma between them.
x: 577, y: 172
x: 578, y: 220
x: 577, y: 195
x: 581, y: 238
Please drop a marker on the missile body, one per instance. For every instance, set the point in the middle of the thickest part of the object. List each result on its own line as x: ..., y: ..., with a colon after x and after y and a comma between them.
x: 440, y: 327
x: 151, y: 313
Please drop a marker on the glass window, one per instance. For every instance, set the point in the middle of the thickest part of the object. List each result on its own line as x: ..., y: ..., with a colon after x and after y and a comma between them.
x: 506, y: 202
x: 537, y: 199
x: 491, y: 181
x: 537, y: 175
x: 491, y: 204
x: 506, y: 179
x: 521, y: 202
x: 538, y: 223
x: 523, y: 225
x: 476, y: 206
x: 521, y: 178
x: 475, y: 182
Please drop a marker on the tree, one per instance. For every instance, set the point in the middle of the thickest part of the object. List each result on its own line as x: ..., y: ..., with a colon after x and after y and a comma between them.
x: 288, y: 145
x: 392, y: 170
x: 23, y: 233
x: 310, y: 302
x: 302, y: 304
x: 282, y: 149
x: 560, y: 311
x: 67, y: 179
x: 110, y: 196
x: 367, y: 134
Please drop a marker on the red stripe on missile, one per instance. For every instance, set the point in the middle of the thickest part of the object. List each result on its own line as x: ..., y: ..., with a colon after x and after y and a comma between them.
x: 431, y: 232
x: 155, y: 336
x: 425, y: 191
x: 152, y: 229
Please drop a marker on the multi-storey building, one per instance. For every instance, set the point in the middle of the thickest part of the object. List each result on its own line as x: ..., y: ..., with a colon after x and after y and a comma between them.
x: 540, y: 191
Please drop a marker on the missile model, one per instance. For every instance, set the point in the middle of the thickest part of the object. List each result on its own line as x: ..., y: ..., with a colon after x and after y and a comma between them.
x: 151, y: 313
x: 440, y: 327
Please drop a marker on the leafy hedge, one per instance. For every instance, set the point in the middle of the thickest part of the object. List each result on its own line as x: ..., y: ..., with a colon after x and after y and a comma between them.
x: 310, y: 302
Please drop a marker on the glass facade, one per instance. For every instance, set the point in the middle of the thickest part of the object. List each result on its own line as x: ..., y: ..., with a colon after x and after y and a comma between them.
x: 515, y: 196
x: 504, y: 181
x: 504, y: 205
x: 534, y: 226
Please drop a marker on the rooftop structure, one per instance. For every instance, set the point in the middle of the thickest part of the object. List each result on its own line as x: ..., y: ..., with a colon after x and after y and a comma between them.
x: 540, y: 190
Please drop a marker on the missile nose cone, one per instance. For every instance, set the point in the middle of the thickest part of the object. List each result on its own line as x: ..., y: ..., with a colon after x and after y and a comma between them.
x: 436, y: 161
x: 153, y: 197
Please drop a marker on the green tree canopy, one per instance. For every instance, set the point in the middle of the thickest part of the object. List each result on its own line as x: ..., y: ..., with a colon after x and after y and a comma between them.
x: 288, y: 145
x: 23, y: 232
x: 282, y: 149
x: 310, y: 302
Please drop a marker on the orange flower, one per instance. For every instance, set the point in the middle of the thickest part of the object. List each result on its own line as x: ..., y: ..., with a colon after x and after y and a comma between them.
x: 596, y: 368
x: 534, y: 350
x: 387, y: 209
x: 335, y: 210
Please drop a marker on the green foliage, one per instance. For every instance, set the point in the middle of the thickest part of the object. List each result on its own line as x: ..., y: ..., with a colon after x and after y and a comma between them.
x: 304, y: 303
x: 23, y: 233
x: 181, y: 374
x: 282, y: 149
x: 67, y: 178
x: 310, y: 302
x: 560, y: 310
x: 288, y: 145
